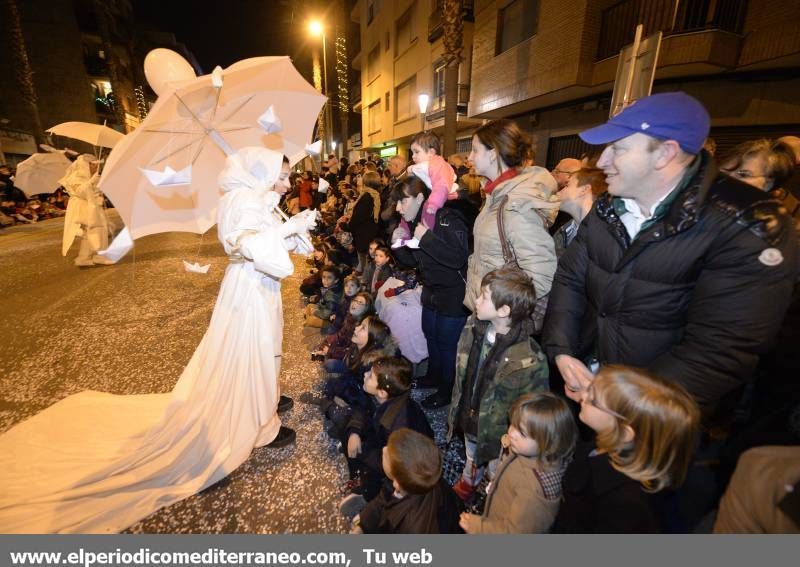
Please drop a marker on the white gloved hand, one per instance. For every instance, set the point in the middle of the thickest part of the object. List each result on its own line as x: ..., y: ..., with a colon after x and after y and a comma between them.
x: 299, y: 223
x: 312, y: 216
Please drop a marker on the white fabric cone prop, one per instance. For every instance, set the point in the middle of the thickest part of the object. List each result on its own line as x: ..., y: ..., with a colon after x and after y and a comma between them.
x: 269, y: 121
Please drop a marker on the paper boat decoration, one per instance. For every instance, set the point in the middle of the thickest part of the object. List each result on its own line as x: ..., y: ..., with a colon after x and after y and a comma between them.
x: 310, y: 149
x: 269, y: 121
x: 196, y: 267
x: 169, y: 177
x: 120, y: 246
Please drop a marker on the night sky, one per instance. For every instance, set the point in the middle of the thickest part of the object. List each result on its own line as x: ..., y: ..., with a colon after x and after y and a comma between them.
x: 221, y: 33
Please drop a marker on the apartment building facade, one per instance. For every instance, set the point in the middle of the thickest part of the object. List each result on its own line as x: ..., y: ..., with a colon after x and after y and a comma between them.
x: 401, y: 57
x: 551, y: 65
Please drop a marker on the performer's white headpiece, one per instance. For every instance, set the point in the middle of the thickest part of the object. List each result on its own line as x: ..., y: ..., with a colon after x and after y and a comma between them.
x: 252, y: 168
x: 80, y: 170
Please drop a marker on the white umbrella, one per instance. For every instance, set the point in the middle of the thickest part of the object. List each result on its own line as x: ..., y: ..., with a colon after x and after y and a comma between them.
x: 163, y: 176
x: 98, y: 135
x: 40, y: 173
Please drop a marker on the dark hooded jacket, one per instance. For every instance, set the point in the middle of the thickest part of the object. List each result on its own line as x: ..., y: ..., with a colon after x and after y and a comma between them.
x: 435, y: 512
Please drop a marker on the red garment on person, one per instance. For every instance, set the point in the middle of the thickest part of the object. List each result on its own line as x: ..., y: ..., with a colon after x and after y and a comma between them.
x: 306, y: 197
x: 507, y: 174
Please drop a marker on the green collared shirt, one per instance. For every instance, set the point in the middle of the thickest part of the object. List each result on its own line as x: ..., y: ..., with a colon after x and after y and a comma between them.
x: 663, y: 207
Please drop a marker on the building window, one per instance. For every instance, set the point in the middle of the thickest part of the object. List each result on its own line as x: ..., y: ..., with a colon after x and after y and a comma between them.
x: 386, y: 104
x: 437, y: 97
x: 370, y: 11
x: 374, y: 117
x: 405, y: 100
x: 516, y: 23
x: 406, y: 32
x: 374, y: 63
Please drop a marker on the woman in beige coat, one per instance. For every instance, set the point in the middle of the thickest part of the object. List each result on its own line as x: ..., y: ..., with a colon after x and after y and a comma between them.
x: 498, y: 151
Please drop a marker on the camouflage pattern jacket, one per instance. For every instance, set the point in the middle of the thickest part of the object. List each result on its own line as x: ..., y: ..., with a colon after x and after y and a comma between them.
x: 521, y: 367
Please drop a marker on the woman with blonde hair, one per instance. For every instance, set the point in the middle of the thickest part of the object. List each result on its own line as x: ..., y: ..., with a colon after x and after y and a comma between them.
x: 646, y: 430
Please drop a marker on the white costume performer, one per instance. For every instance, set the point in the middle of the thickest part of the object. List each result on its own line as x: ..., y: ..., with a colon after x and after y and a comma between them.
x: 86, y: 215
x: 97, y: 462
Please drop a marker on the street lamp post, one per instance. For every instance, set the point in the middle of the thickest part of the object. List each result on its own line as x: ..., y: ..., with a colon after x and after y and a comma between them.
x: 316, y: 28
x: 422, y: 100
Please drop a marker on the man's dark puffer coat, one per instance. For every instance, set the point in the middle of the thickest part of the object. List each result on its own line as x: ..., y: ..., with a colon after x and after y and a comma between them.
x: 695, y: 298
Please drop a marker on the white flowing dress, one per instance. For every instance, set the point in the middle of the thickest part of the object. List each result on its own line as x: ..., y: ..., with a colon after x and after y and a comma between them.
x: 97, y: 463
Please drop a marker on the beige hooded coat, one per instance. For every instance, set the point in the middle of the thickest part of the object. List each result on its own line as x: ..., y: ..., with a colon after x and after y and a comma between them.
x: 533, y: 189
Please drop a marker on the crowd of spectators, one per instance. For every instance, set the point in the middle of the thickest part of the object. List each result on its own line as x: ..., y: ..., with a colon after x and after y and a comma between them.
x: 605, y: 340
x: 612, y: 344
x: 17, y: 208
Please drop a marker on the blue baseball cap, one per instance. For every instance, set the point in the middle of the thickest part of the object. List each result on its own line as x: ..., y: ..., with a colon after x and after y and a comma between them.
x: 666, y: 116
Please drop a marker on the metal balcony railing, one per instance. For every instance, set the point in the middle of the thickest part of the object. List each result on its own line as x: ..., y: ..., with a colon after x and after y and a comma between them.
x: 668, y: 16
x: 436, y: 111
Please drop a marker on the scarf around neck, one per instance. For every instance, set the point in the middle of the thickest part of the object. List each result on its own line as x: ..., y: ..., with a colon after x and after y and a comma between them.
x: 510, y: 173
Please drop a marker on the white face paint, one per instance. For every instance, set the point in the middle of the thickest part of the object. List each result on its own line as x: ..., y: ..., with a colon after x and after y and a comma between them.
x: 282, y: 185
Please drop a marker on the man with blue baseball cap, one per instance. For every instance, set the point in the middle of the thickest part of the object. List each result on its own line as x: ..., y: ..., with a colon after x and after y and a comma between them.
x: 677, y: 269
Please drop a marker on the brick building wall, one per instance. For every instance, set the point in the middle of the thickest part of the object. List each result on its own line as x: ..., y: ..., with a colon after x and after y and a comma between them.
x: 772, y: 29
x: 548, y: 61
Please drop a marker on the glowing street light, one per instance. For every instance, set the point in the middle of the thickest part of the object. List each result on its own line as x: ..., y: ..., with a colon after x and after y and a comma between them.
x: 316, y: 29
x: 422, y: 100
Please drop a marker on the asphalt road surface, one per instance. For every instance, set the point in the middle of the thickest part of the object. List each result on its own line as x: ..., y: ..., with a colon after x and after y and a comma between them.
x: 129, y: 329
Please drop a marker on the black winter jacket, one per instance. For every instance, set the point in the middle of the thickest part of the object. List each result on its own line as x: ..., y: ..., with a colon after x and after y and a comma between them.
x: 435, y: 512
x: 695, y: 298
x: 442, y: 257
x: 362, y: 222
x: 599, y: 499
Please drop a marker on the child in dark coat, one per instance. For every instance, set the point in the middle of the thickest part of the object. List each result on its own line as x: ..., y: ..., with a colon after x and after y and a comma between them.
x: 414, y: 499
x: 351, y: 288
x: 369, y: 268
x: 646, y: 429
x: 384, y: 268
x: 497, y: 362
x: 390, y: 407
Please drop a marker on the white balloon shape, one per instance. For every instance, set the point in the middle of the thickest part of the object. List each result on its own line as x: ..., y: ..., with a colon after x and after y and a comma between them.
x: 164, y: 66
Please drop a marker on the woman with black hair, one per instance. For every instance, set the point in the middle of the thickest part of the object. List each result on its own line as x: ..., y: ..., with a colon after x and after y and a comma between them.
x: 441, y: 260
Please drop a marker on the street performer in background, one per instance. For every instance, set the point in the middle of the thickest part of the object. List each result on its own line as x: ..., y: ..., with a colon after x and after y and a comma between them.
x: 86, y: 214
